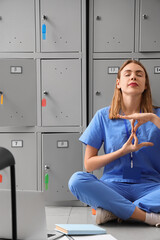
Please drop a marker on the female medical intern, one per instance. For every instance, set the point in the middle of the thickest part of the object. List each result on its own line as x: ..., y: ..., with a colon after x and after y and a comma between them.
x: 129, y: 129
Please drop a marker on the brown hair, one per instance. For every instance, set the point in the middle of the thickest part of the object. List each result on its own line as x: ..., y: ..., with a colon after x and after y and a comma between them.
x: 117, y: 101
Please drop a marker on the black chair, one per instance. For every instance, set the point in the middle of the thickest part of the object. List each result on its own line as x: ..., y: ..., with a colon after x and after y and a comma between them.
x: 7, y: 160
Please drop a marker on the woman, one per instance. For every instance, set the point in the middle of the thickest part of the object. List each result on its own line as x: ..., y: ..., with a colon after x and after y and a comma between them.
x: 130, y: 131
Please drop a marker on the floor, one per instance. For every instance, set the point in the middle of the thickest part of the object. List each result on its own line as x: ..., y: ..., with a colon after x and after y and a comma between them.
x: 121, y: 231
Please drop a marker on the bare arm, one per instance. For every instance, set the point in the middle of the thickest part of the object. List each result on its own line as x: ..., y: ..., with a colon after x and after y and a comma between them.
x: 93, y: 162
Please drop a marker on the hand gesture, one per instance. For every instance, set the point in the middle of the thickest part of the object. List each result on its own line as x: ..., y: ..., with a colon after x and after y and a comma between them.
x: 140, y: 117
x: 133, y: 147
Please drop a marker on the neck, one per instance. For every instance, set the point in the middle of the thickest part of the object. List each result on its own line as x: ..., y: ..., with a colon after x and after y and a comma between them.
x: 131, y: 105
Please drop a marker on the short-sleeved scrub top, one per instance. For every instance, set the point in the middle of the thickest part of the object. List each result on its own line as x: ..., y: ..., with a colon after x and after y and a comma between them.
x: 112, y: 133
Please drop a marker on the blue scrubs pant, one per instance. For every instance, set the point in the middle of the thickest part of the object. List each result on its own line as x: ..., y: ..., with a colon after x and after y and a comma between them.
x: 116, y: 197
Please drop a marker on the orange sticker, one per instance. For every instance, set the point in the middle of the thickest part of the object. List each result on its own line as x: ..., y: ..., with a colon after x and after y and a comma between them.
x: 0, y: 178
x: 2, y: 98
x: 43, y: 102
x: 93, y: 211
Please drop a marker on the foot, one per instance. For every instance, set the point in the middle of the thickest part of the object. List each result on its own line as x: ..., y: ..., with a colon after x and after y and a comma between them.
x: 153, y: 219
x: 103, y: 216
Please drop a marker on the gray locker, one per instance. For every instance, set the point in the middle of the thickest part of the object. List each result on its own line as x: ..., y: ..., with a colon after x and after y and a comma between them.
x: 113, y: 25
x: 23, y: 148
x: 153, y: 68
x: 62, y: 156
x: 60, y: 25
x: 149, y: 26
x: 17, y: 26
x: 105, y: 75
x: 61, y: 92
x: 17, y: 92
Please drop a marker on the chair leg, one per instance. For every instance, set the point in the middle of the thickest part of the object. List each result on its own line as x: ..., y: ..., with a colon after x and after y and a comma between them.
x: 13, y: 202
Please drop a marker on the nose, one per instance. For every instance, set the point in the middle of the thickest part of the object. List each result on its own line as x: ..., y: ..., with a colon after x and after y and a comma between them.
x: 133, y: 76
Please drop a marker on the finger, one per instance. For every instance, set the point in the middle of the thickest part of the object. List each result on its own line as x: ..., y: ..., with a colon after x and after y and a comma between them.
x: 135, y: 140
x: 119, y: 116
x: 130, y: 138
x: 132, y: 124
x: 137, y: 126
x: 146, y: 144
x: 124, y: 116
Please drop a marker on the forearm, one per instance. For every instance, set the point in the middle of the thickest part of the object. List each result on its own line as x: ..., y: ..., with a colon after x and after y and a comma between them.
x: 156, y: 120
x: 97, y: 162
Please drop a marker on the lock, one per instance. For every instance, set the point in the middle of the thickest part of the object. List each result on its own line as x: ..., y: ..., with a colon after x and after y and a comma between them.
x: 45, y: 92
x: 145, y: 16
x: 44, y: 17
x: 98, y: 93
x: 98, y: 18
x: 46, y: 168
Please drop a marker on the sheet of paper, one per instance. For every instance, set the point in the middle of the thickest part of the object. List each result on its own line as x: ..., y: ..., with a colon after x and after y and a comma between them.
x: 95, y: 237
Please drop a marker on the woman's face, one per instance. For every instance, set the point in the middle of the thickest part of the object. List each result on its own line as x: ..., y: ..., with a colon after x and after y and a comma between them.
x: 132, y: 80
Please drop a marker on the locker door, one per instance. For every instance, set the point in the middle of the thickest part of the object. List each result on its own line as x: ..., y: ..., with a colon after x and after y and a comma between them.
x: 60, y: 25
x: 23, y: 148
x: 17, y: 26
x: 153, y: 68
x: 113, y: 25
x: 62, y: 154
x: 149, y: 26
x: 105, y: 75
x: 61, y: 90
x: 17, y: 92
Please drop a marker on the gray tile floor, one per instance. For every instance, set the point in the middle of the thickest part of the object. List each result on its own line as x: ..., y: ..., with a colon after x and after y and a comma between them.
x: 124, y: 231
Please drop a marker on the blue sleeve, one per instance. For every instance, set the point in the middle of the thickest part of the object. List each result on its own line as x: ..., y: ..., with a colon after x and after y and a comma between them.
x: 93, y: 135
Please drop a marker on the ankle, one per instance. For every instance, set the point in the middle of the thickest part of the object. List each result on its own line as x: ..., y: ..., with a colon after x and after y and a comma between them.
x: 139, y: 214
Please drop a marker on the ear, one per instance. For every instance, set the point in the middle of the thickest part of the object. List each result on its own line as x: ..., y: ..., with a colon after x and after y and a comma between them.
x: 118, y: 83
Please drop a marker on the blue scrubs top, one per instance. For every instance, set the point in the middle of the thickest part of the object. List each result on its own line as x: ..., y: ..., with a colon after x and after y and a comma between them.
x: 113, y: 134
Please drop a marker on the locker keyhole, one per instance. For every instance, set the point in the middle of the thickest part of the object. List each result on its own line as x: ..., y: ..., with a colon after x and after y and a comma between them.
x: 145, y: 16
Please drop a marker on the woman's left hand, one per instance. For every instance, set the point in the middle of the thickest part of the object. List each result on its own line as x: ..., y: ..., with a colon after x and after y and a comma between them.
x: 140, y: 117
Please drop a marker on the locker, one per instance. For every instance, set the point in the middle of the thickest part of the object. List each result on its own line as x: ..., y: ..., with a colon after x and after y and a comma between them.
x: 17, y: 92
x: 60, y: 25
x: 149, y: 26
x: 113, y: 25
x: 17, y: 26
x: 153, y: 68
x: 62, y: 156
x: 61, y: 92
x: 23, y: 148
x: 105, y: 75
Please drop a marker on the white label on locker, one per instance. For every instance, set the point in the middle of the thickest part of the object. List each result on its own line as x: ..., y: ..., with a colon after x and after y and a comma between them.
x: 16, y: 69
x: 63, y: 144
x: 17, y: 143
x: 157, y: 70
x: 113, y: 70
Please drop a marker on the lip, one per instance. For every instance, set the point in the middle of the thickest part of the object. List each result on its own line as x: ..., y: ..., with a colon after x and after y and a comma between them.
x: 133, y: 84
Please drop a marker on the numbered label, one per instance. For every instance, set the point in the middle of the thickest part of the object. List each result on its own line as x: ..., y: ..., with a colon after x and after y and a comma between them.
x: 157, y: 70
x: 17, y: 143
x: 113, y: 70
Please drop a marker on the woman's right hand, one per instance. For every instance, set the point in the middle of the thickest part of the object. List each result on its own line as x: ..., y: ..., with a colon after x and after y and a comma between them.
x: 129, y: 147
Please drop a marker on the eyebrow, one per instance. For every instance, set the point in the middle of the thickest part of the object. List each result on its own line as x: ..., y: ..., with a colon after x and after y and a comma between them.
x: 137, y: 71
